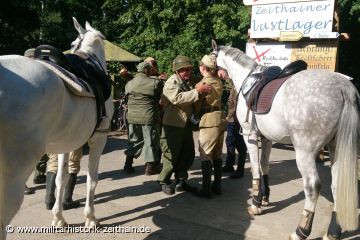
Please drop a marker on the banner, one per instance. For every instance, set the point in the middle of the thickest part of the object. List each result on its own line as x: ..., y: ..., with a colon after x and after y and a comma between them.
x: 309, y: 18
x: 316, y: 55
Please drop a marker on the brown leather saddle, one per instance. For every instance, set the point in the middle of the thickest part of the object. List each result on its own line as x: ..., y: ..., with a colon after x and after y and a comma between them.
x: 261, y: 95
x: 83, y: 69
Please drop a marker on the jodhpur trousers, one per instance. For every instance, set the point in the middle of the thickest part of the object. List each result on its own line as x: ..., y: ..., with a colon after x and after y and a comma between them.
x: 74, y: 162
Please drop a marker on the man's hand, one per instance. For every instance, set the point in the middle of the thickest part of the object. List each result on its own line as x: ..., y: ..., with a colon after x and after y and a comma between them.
x: 203, y: 88
x: 223, y: 74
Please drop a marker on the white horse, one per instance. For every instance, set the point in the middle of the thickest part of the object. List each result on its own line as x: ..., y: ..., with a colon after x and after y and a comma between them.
x: 39, y: 115
x: 311, y: 109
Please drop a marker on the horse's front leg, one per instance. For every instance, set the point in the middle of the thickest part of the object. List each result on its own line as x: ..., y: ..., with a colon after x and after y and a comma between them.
x: 266, y: 146
x: 61, y: 179
x: 96, y: 146
x: 306, y: 164
x: 253, y: 149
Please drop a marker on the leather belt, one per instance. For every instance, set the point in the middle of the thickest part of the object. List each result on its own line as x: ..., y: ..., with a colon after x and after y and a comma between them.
x: 210, y: 109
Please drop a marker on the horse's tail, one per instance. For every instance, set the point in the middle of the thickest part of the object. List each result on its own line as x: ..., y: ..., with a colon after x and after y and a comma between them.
x: 347, y: 140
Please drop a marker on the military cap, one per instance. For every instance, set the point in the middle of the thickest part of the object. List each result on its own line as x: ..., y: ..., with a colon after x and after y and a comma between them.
x: 149, y: 60
x: 209, y: 61
x: 142, y: 66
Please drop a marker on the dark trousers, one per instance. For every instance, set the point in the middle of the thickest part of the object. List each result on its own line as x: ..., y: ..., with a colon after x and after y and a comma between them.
x: 178, y: 152
x: 235, y: 141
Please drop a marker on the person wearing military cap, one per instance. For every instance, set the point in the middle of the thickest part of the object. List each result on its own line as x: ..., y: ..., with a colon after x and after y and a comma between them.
x: 176, y: 140
x: 143, y: 117
x: 212, y: 126
x: 154, y: 72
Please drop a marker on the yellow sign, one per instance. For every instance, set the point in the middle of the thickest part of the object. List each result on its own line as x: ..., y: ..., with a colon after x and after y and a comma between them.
x: 290, y: 36
x: 317, y: 56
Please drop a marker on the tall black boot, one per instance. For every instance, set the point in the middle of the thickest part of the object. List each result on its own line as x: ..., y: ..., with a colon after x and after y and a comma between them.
x: 265, y: 189
x: 239, y: 172
x: 128, y: 168
x: 69, y: 189
x: 205, y: 192
x: 50, y: 190
x: 216, y: 187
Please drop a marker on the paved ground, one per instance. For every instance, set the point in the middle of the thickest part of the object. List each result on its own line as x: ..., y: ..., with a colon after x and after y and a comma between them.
x: 135, y: 201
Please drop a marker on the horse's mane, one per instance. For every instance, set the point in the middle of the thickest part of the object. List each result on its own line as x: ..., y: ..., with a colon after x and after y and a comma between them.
x: 239, y: 57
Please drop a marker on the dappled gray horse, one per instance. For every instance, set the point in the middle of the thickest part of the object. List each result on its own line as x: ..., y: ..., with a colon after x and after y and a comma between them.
x: 38, y: 115
x: 311, y: 109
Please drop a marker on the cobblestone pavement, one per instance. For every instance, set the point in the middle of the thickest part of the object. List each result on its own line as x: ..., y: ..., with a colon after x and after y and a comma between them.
x: 134, y: 202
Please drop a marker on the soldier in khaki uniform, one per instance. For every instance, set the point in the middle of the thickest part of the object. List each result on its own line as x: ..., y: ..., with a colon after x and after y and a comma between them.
x: 212, y: 127
x: 52, y: 167
x: 176, y: 140
x: 144, y: 119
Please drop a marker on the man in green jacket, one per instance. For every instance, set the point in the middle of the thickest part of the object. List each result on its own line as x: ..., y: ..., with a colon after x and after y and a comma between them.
x: 177, y: 144
x: 143, y: 94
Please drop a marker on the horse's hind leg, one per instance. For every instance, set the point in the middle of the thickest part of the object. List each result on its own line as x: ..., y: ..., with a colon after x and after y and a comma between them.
x: 306, y: 164
x: 61, y: 178
x: 334, y: 229
x: 96, y: 146
x: 266, y: 146
x: 11, y: 197
x: 15, y: 169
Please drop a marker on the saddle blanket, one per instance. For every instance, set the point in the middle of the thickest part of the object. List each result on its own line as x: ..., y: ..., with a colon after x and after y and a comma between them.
x: 74, y: 84
x: 267, y: 94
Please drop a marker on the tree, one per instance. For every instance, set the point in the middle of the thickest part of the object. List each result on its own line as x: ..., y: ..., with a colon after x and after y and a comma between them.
x: 164, y: 29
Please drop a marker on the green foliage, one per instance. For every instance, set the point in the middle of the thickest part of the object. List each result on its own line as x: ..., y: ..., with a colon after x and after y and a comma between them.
x: 158, y: 28
x: 164, y: 29
x: 348, y: 52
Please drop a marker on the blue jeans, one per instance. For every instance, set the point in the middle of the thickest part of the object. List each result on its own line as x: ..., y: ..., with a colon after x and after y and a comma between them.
x: 235, y: 141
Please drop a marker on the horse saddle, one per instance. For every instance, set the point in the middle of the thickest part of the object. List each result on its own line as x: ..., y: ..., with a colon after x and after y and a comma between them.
x: 260, y: 95
x: 80, y: 70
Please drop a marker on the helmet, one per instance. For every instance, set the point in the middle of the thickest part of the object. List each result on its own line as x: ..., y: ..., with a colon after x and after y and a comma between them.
x: 209, y: 61
x: 181, y: 62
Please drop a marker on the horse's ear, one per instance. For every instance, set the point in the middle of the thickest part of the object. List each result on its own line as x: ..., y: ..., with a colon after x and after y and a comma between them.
x: 78, y: 27
x: 88, y: 26
x: 214, y: 45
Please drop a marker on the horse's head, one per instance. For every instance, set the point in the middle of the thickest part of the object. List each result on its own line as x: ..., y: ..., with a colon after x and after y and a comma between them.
x: 89, y: 41
x: 236, y: 63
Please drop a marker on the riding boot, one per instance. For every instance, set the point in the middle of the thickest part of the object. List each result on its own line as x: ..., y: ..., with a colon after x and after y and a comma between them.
x: 28, y: 190
x: 50, y: 190
x: 128, y: 168
x: 68, y: 193
x: 216, y: 187
x: 205, y: 192
x: 239, y: 172
x: 265, y: 188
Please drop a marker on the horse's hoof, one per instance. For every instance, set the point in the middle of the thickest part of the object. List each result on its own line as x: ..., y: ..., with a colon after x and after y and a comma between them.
x: 59, y: 223
x: 253, y: 210
x: 294, y: 236
x: 91, y: 223
x: 329, y: 237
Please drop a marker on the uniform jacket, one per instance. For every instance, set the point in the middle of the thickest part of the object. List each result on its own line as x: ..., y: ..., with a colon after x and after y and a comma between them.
x: 143, y: 99
x: 178, y: 101
x: 212, y: 115
x: 232, y: 102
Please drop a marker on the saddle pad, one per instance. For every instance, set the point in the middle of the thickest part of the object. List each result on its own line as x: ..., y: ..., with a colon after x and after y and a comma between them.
x: 267, y: 95
x: 77, y: 86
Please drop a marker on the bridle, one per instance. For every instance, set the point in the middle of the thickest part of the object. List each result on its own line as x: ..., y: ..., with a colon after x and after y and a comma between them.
x: 91, y: 57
